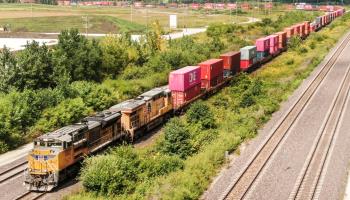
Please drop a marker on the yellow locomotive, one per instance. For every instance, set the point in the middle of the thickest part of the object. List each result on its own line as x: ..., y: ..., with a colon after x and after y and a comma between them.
x: 55, y: 154
x: 145, y: 112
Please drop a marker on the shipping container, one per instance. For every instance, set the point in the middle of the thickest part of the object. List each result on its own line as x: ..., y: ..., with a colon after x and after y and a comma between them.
x: 273, y: 40
x: 262, y: 44
x: 273, y: 43
x: 296, y: 30
x: 248, y: 52
x: 211, y: 69
x: 184, y: 78
x: 208, y: 84
x: 182, y: 97
x: 282, y: 39
x: 231, y: 61
x: 290, y: 32
x: 246, y: 64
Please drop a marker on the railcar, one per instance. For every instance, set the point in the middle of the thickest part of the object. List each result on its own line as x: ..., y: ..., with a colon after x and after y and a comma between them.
x: 145, y: 112
x: 54, y: 155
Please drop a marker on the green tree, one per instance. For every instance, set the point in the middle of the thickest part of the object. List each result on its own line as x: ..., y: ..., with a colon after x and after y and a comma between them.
x: 34, y: 70
x: 7, y: 69
x: 117, y: 53
x: 76, y: 57
x: 176, y: 139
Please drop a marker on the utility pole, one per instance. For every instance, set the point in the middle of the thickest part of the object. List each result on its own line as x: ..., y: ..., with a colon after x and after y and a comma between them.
x: 131, y: 11
x: 31, y: 9
x: 86, y: 19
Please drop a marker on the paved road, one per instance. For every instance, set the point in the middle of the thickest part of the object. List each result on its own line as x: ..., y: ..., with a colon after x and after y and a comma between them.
x: 279, y: 176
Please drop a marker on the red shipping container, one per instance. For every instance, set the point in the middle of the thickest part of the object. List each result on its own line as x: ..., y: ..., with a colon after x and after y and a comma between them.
x: 246, y: 64
x: 262, y: 44
x: 207, y: 84
x: 231, y: 60
x: 282, y: 39
x: 296, y: 30
x: 290, y: 32
x: 273, y: 40
x: 182, y: 97
x: 273, y: 50
x: 184, y: 78
x: 211, y: 68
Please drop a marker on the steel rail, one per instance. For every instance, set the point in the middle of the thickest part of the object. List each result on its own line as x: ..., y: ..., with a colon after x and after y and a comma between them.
x: 305, y: 186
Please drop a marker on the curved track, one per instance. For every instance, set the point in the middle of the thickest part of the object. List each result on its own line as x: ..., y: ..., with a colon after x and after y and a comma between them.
x: 247, y: 177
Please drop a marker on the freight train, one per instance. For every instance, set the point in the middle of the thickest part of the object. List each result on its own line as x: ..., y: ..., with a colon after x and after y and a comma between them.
x: 55, y: 154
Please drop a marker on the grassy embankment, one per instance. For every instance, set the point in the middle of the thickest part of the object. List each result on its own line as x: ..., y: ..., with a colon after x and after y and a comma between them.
x: 239, y: 111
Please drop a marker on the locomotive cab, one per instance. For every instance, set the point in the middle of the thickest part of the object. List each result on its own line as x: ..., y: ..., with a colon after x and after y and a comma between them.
x: 51, y: 156
x: 42, y: 173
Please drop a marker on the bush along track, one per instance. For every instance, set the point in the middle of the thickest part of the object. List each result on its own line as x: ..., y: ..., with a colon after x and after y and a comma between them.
x: 207, y: 130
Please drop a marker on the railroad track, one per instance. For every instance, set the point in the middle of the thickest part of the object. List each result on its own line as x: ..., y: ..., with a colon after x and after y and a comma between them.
x: 309, y: 178
x: 30, y: 196
x: 240, y: 187
x: 12, y: 172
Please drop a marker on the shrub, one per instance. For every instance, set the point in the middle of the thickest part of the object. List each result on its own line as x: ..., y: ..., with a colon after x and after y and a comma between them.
x: 290, y: 61
x: 111, y: 174
x: 200, y: 113
x: 294, y: 42
x: 176, y: 139
x: 3, y: 147
x: 312, y: 45
x: 159, y: 165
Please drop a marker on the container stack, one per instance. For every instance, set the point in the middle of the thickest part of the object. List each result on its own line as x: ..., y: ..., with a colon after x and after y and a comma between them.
x: 282, y: 39
x: 273, y: 44
x: 231, y: 62
x: 185, y: 84
x: 248, y: 57
x: 211, y: 73
x: 262, y: 48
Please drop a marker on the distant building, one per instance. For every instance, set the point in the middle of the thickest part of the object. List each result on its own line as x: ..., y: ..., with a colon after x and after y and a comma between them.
x: 27, y: 1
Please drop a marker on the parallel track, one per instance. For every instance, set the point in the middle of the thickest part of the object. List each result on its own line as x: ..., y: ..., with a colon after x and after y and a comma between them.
x: 309, y: 178
x: 247, y: 177
x: 13, y: 171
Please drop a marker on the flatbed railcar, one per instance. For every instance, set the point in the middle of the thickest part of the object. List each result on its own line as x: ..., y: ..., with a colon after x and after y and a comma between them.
x: 55, y: 154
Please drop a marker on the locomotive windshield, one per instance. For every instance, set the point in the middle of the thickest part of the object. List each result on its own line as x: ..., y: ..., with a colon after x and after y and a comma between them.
x: 48, y: 143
